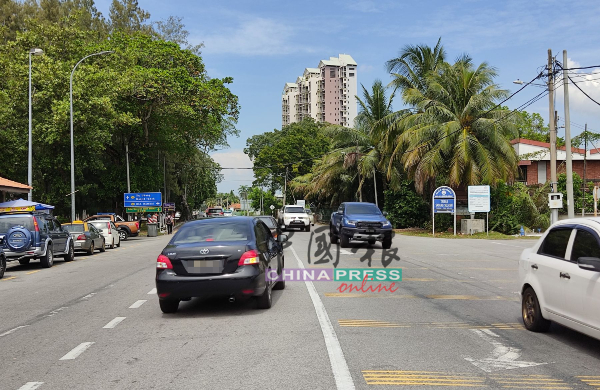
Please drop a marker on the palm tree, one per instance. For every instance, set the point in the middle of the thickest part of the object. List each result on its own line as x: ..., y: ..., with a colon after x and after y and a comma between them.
x: 414, y: 64
x: 457, y: 133
x: 357, y: 152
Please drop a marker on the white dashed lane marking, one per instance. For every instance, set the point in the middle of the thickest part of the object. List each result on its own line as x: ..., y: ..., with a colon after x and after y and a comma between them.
x: 114, y: 323
x: 153, y: 291
x: 31, y: 385
x: 78, y: 350
x: 137, y: 304
x: 13, y: 330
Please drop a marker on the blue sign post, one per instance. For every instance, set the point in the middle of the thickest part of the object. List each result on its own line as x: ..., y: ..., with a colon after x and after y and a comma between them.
x: 143, y: 199
x: 444, y: 201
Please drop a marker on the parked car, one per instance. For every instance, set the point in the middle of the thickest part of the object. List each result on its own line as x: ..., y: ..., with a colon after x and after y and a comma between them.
x: 293, y: 216
x: 214, y: 212
x: 560, y: 278
x: 271, y: 224
x: 86, y: 236
x: 125, y: 228
x: 2, y: 260
x: 311, y: 216
x: 219, y: 256
x: 227, y: 213
x: 34, y: 235
x: 109, y: 231
x: 360, y: 221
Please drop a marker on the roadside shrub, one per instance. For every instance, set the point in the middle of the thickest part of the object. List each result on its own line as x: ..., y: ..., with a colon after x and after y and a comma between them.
x: 405, y: 207
x: 514, y: 206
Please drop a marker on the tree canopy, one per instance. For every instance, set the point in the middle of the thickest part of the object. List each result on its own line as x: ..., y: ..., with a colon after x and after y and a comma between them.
x: 150, y: 94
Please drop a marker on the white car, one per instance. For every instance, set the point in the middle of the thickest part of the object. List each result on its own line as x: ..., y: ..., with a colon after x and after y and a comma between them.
x: 109, y: 231
x: 293, y: 216
x: 560, y: 278
x: 227, y: 213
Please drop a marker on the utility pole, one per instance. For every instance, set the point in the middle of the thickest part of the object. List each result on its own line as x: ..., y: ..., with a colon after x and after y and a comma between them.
x: 285, y: 184
x: 375, y: 185
x: 570, y: 200
x: 585, y: 137
x: 127, y: 154
x: 553, y: 181
x: 165, y: 177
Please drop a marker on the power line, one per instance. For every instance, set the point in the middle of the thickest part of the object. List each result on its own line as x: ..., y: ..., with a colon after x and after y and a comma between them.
x: 582, y: 91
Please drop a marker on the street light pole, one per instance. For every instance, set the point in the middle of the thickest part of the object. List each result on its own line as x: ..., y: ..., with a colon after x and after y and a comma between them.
x: 72, y: 140
x: 36, y: 52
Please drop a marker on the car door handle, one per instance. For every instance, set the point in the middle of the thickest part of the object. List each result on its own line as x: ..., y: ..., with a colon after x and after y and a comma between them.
x: 565, y: 275
x: 534, y: 266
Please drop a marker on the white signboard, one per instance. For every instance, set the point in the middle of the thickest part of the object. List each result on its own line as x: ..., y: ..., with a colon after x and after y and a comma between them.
x: 479, y: 199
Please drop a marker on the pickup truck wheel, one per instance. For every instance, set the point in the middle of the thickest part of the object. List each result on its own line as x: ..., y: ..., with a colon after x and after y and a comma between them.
x: 2, y: 266
x: 47, y: 260
x: 24, y: 261
x: 70, y: 256
x: 386, y: 243
x: 334, y: 239
x: 344, y: 240
x: 123, y: 235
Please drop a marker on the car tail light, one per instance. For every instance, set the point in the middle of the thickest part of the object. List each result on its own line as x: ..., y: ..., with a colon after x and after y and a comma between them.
x: 137, y: 225
x: 221, y: 213
x: 109, y: 228
x: 81, y: 237
x: 163, y: 262
x: 250, y: 257
x: 35, y: 224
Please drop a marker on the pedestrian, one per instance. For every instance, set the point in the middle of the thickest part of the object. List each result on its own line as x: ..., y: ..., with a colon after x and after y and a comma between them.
x: 169, y: 222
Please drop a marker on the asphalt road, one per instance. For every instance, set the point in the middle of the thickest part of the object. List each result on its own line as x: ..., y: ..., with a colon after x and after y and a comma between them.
x: 453, y: 322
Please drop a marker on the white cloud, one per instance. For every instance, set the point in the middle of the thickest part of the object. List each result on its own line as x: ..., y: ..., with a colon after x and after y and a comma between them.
x: 365, y: 68
x: 589, y: 81
x: 254, y: 36
x: 233, y: 178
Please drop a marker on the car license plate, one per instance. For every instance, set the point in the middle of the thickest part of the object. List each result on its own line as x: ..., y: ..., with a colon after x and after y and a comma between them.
x: 208, y: 265
x: 370, y: 230
x: 77, y: 244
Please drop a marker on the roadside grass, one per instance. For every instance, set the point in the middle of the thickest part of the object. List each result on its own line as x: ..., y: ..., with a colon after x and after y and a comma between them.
x: 482, y: 236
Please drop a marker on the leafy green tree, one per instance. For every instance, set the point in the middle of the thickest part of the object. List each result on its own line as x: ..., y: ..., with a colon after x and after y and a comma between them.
x: 127, y: 16
x: 268, y: 199
x: 295, y: 146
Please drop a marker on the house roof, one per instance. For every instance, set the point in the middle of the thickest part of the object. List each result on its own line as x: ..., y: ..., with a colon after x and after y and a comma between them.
x: 544, y: 145
x: 13, y: 186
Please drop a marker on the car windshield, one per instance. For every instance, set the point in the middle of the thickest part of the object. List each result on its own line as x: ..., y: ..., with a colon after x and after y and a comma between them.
x: 76, y: 228
x: 269, y: 222
x: 8, y: 221
x: 298, y: 209
x: 100, y: 225
x: 362, y: 209
x: 215, y: 231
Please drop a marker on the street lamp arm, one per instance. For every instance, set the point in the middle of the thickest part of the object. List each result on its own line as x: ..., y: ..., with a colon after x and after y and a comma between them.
x: 88, y: 56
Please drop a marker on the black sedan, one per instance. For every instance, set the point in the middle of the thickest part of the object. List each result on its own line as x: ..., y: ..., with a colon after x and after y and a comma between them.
x: 271, y: 224
x: 212, y: 257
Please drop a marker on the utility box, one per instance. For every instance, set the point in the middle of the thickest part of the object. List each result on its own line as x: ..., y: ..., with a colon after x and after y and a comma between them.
x: 472, y: 226
x: 555, y: 200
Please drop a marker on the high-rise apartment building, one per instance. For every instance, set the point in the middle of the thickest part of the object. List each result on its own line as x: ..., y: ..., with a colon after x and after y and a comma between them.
x: 326, y: 94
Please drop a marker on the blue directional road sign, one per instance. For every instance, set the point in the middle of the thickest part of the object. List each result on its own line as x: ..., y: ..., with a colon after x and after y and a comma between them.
x: 444, y: 200
x: 143, y: 199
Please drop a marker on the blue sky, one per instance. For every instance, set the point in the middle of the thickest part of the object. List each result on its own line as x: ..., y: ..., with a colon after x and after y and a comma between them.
x: 263, y: 44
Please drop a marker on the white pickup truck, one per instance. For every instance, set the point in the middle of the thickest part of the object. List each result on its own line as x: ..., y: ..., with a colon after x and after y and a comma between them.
x: 292, y: 216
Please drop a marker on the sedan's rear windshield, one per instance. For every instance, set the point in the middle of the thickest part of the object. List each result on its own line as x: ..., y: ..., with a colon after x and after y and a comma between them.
x: 101, y: 225
x: 215, y: 210
x: 269, y: 222
x: 362, y: 209
x: 8, y: 221
x: 294, y: 210
x: 73, y: 228
x: 216, y: 231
